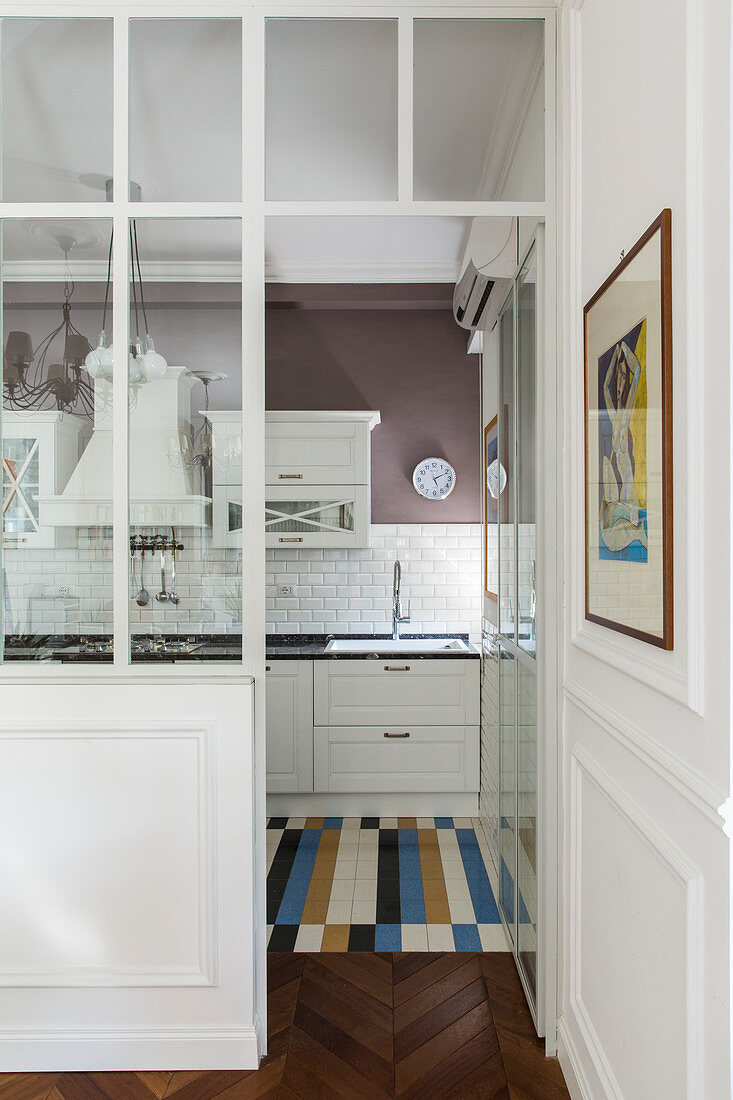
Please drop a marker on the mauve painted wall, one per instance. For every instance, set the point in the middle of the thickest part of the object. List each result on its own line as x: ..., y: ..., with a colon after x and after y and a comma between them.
x: 409, y: 363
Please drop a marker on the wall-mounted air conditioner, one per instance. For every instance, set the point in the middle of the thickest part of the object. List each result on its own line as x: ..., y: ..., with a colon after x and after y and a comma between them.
x: 491, y: 256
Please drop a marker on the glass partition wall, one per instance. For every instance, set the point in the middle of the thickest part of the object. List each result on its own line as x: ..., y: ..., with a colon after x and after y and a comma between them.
x: 517, y: 639
x: 139, y: 160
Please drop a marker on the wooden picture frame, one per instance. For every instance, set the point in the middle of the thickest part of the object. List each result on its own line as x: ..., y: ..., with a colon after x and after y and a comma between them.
x: 491, y: 515
x: 627, y: 325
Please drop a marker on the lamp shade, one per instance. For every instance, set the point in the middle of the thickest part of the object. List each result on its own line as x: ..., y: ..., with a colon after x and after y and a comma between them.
x: 18, y: 350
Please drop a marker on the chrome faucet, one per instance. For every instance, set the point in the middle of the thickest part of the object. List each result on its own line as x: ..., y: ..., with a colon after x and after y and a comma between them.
x: 397, y: 615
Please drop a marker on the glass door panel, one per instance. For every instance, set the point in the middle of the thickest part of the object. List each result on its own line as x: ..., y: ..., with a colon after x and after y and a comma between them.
x: 56, y: 444
x: 478, y: 109
x: 186, y: 110
x: 508, y: 787
x: 527, y: 822
x: 185, y: 371
x: 56, y: 109
x: 331, y: 109
x: 526, y: 455
x: 506, y: 482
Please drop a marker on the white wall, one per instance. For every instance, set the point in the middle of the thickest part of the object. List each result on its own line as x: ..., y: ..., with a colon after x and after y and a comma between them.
x: 644, y: 998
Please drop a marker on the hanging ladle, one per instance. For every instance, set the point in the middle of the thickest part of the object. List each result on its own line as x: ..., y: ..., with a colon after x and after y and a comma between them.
x: 162, y: 596
x: 143, y: 596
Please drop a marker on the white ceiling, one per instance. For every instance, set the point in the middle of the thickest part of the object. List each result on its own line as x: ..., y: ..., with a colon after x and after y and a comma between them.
x: 331, y: 132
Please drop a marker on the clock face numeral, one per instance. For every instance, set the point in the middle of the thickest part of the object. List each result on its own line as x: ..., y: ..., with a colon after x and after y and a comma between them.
x: 434, y: 478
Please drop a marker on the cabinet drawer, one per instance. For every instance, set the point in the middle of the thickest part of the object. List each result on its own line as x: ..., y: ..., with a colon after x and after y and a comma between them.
x: 383, y: 758
x: 396, y: 689
x: 317, y: 454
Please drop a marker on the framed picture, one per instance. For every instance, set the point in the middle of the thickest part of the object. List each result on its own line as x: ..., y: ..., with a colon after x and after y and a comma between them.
x: 491, y: 510
x: 628, y: 443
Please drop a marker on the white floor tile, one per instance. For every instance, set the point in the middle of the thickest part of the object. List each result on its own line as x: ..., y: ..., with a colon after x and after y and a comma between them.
x: 388, y: 823
x: 309, y: 937
x: 461, y: 912
x: 463, y: 822
x: 440, y: 937
x: 454, y: 869
x: 296, y: 822
x: 364, y: 912
x: 350, y: 824
x: 342, y: 889
x: 365, y: 889
x: 347, y: 848
x: 339, y: 911
x: 414, y: 937
x: 344, y: 868
x: 493, y: 937
x: 366, y: 868
x: 426, y: 822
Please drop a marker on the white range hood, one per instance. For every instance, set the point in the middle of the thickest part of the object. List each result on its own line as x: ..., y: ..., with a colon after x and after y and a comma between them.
x: 162, y: 478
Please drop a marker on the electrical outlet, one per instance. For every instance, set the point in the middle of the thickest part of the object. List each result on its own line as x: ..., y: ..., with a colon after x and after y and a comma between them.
x: 59, y: 591
x: 286, y: 590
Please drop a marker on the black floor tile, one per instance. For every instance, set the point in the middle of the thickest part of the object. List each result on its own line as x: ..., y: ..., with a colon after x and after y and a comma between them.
x: 277, y: 823
x: 361, y: 937
x: 370, y: 823
x: 283, y: 937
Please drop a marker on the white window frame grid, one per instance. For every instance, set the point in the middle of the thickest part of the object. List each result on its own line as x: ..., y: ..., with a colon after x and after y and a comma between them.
x: 252, y: 211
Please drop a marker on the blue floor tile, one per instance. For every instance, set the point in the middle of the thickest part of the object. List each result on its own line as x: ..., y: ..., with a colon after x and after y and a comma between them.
x: 482, y: 896
x: 388, y: 937
x: 291, y: 907
x: 466, y: 937
x: 332, y: 822
x: 444, y: 823
x: 412, y: 899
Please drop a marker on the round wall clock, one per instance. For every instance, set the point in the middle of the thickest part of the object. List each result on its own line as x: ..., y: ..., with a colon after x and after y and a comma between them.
x: 434, y: 478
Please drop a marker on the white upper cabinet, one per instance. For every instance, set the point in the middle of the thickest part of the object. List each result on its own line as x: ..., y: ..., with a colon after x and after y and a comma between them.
x: 318, y: 478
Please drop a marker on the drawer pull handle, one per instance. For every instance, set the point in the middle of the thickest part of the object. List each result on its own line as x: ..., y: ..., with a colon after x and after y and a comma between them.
x: 267, y: 668
x: 396, y: 735
x: 396, y: 668
x: 289, y: 540
x: 295, y: 477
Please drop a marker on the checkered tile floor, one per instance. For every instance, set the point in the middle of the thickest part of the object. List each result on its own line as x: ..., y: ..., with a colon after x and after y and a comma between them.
x: 380, y: 884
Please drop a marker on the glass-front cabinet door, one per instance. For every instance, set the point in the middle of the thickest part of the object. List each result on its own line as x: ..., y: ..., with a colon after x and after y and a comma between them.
x: 518, y: 691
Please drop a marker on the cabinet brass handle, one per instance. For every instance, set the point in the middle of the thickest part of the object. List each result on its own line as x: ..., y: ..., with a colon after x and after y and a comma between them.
x: 267, y: 668
x: 295, y: 477
x: 396, y: 668
x: 396, y: 735
x: 289, y: 540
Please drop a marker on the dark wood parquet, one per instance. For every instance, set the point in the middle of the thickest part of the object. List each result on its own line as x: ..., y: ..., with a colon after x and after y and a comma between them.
x: 407, y: 1026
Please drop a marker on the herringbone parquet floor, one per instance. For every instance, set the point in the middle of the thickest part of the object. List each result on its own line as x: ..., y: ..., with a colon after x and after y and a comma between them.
x: 413, y: 1026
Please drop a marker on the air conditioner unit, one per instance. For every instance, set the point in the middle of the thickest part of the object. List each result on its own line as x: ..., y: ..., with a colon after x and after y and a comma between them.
x: 491, y: 256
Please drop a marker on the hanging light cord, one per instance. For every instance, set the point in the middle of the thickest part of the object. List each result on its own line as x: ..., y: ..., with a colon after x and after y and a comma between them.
x: 134, y: 294
x: 139, y: 276
x: 109, y: 280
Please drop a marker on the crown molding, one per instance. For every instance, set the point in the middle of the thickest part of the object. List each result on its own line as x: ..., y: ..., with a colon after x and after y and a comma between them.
x: 41, y: 271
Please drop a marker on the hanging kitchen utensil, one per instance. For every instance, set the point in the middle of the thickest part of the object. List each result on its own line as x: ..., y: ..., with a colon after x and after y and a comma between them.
x: 173, y: 597
x: 162, y: 596
x: 143, y: 596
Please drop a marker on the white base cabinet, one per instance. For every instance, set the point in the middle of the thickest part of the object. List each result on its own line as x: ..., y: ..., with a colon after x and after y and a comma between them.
x: 396, y: 725
x: 289, y: 703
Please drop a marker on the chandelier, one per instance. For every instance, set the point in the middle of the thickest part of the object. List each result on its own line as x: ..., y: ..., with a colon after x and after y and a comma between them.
x: 32, y: 382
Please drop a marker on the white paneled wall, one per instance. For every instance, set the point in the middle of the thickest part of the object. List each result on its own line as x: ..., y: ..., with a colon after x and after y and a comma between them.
x: 489, y: 791
x: 350, y: 591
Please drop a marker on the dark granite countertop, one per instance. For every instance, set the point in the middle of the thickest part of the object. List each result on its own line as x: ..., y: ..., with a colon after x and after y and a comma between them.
x: 301, y: 647
x: 97, y: 649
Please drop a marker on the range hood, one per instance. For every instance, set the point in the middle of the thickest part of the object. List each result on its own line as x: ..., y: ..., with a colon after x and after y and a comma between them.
x: 162, y: 472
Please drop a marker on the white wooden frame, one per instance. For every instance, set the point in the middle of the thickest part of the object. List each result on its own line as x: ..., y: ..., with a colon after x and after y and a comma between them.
x: 252, y: 210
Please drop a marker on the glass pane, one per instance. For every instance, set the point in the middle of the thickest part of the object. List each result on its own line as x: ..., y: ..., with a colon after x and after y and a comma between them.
x: 526, y: 455
x: 478, y: 109
x: 507, y: 787
x: 309, y: 515
x: 507, y: 536
x: 527, y: 822
x: 186, y: 109
x: 186, y: 397
x: 56, y: 443
x: 56, y: 109
x: 331, y: 109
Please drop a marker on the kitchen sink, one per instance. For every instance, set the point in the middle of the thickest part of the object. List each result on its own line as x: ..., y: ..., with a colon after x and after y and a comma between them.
x: 398, y: 645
